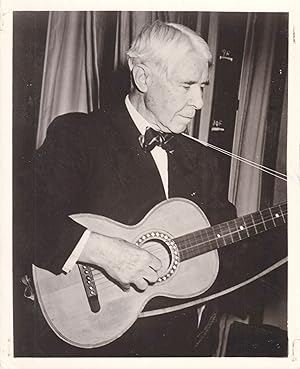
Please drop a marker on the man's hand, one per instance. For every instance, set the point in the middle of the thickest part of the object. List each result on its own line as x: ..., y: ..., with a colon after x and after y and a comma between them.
x: 124, y: 262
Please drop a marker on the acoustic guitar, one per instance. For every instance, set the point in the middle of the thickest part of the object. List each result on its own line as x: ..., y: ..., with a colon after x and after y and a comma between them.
x: 87, y: 309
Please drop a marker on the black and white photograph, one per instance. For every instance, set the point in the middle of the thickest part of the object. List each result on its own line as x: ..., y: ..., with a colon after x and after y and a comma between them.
x: 150, y: 184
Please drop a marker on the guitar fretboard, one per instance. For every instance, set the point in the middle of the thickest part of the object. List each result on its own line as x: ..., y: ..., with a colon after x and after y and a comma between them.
x: 226, y: 233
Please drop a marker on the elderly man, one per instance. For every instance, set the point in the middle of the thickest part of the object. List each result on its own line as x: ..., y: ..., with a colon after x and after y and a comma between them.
x: 121, y: 163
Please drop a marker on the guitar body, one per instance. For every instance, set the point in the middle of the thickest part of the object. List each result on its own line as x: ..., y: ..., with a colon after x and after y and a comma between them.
x: 63, y: 298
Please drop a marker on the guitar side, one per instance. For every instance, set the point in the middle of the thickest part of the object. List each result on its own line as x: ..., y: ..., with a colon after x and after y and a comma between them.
x: 63, y: 300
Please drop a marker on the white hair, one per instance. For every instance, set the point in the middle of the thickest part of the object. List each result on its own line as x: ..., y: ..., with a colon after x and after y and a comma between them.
x: 158, y: 42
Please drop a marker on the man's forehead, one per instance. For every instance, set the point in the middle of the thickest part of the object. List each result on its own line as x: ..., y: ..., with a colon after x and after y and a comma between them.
x: 190, y: 70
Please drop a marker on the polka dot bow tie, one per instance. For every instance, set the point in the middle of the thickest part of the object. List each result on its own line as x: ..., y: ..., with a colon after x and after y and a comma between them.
x: 153, y: 138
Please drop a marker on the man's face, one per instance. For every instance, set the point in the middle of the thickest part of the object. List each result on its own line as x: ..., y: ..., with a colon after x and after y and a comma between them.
x: 172, y: 98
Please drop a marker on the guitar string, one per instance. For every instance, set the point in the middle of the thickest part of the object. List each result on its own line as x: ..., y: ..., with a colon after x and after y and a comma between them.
x: 191, y: 238
x: 98, y: 276
x: 263, y: 168
x: 281, y: 209
x: 270, y: 171
x: 209, y: 230
x: 197, y: 244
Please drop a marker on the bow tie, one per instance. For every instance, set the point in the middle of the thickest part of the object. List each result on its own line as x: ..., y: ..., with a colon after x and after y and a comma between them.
x: 153, y: 138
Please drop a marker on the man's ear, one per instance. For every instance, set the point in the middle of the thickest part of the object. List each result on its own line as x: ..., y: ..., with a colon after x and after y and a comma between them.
x: 141, y: 75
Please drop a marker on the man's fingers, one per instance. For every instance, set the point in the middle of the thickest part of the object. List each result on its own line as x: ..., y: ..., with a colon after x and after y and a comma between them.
x: 150, y: 275
x: 125, y: 286
x: 155, y: 263
x: 141, y: 284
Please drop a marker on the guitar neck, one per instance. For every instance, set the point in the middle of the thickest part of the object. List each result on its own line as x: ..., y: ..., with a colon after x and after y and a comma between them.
x: 226, y: 233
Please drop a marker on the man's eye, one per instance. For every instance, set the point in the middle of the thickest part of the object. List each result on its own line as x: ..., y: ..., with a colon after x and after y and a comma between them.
x: 203, y: 85
x: 186, y: 87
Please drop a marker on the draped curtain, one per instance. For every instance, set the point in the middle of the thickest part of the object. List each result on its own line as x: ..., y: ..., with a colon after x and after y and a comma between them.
x: 251, y: 119
x: 71, y: 74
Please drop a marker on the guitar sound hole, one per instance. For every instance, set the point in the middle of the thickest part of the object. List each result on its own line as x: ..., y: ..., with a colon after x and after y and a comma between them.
x: 158, y: 248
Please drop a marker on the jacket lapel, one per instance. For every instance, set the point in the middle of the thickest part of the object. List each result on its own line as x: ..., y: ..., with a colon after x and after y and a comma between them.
x: 183, y: 169
x: 136, y: 170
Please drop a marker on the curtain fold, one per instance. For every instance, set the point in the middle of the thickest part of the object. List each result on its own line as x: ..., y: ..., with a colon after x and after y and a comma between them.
x: 249, y: 135
x: 71, y: 75
x: 123, y: 38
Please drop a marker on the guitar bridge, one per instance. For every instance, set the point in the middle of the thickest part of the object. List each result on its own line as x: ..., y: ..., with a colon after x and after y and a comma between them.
x: 89, y: 287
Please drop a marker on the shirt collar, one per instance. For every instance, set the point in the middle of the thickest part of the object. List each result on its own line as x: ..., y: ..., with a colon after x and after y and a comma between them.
x: 138, y: 119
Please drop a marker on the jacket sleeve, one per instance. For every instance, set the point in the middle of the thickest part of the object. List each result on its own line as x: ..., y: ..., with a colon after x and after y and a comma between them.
x: 60, y: 172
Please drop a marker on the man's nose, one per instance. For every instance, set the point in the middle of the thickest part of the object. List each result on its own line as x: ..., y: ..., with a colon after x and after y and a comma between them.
x: 196, y: 97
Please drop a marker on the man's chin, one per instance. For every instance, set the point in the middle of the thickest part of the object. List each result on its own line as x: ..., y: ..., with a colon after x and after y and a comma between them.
x: 181, y: 126
x: 177, y: 126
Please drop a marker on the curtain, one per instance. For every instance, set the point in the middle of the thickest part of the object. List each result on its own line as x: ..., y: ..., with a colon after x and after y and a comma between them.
x: 129, y: 25
x: 249, y: 135
x: 71, y: 80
